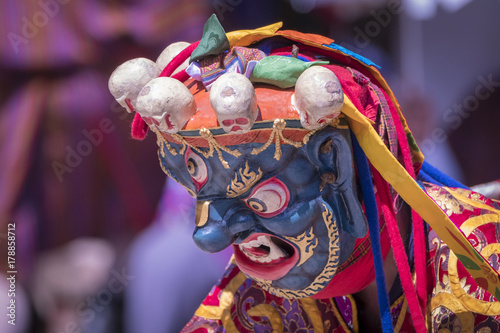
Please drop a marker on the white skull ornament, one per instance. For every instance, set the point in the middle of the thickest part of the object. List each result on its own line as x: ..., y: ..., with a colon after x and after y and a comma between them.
x: 166, y: 104
x: 318, y: 97
x: 233, y: 98
x: 128, y: 79
x: 169, y: 53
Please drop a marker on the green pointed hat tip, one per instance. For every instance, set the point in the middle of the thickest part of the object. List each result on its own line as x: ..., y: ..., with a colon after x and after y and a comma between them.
x: 214, y: 40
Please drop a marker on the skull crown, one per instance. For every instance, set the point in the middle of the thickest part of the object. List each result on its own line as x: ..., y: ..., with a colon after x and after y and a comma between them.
x: 166, y: 104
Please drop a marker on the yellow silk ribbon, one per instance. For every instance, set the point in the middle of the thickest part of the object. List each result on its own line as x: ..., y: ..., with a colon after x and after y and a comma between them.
x: 396, y: 175
x: 247, y: 37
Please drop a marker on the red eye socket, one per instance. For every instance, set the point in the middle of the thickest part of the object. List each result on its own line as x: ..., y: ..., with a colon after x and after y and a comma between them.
x: 241, y: 121
x: 269, y: 198
x: 228, y: 122
x: 196, y: 168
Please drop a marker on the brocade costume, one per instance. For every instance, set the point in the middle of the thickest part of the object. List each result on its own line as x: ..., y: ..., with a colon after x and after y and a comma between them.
x: 457, y: 304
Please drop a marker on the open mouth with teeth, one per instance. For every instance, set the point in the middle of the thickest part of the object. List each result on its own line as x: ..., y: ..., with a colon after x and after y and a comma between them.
x: 265, y: 256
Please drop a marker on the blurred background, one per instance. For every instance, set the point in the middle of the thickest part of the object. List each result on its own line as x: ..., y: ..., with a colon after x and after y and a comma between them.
x: 102, y: 239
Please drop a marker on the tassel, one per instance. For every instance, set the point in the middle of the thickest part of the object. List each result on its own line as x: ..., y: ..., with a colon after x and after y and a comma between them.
x: 139, y: 128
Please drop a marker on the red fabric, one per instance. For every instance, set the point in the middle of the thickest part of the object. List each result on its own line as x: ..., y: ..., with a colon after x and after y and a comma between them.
x: 292, y: 313
x: 212, y: 298
x: 358, y: 275
x: 358, y: 92
x: 179, y: 59
x: 139, y: 128
x: 181, y: 76
x: 363, y: 100
x: 384, y: 202
x: 418, y: 224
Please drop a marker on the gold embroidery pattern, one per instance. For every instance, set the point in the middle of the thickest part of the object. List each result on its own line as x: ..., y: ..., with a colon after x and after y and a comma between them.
x: 328, y: 271
x: 247, y: 180
x: 484, y: 330
x: 443, y: 305
x: 311, y: 308
x: 306, y: 242
x: 402, y: 312
x: 448, y: 203
x: 472, y: 301
x: 471, y: 195
x: 269, y: 311
x: 339, y: 316
x: 223, y: 311
x: 452, y: 294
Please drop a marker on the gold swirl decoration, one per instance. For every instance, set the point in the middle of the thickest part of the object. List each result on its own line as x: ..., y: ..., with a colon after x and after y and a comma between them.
x: 223, y: 310
x: 456, y: 296
x: 328, y: 271
x: 452, y: 304
x: 269, y: 311
x: 306, y: 242
x: 470, y: 302
x: 311, y: 308
x: 244, y: 182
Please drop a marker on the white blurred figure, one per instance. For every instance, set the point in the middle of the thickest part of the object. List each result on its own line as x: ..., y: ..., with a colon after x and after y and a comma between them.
x: 171, y: 275
x: 67, y: 280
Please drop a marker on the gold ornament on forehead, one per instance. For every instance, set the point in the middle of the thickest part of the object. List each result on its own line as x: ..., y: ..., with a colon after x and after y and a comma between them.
x: 243, y: 180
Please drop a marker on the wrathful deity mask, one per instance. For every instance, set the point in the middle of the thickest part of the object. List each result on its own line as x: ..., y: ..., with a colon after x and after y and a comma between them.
x: 266, y: 153
x: 291, y: 221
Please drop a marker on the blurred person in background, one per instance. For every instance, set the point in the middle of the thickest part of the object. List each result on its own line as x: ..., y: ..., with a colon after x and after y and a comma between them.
x: 72, y: 284
x: 69, y: 168
x: 171, y: 276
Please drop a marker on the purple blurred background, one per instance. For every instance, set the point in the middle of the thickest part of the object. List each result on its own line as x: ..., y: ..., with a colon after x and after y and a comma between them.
x: 86, y: 199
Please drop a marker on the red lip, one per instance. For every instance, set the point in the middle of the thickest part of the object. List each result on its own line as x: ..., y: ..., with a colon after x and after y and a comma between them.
x: 273, y: 270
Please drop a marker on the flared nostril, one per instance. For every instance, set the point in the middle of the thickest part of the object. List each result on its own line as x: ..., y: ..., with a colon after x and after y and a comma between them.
x: 242, y: 222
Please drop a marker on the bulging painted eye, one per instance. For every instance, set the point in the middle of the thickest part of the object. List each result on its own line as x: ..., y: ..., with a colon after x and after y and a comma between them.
x: 197, y: 168
x: 269, y: 198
